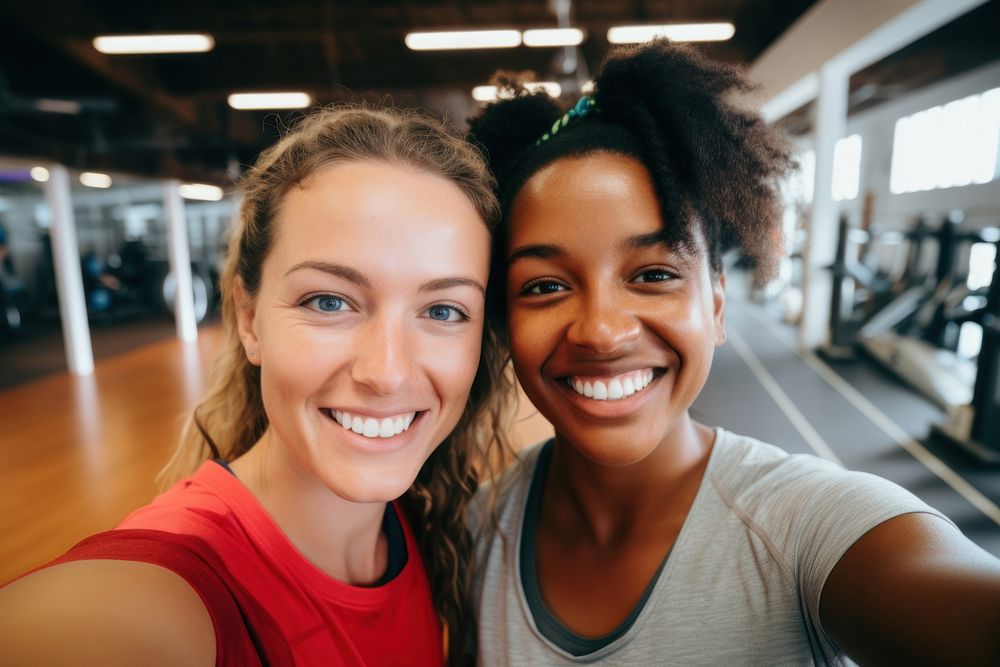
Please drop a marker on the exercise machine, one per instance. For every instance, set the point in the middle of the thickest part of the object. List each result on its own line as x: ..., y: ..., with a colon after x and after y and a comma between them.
x: 975, y: 427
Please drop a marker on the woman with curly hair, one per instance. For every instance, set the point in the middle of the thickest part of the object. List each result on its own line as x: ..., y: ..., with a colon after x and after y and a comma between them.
x: 359, y: 366
x: 638, y: 535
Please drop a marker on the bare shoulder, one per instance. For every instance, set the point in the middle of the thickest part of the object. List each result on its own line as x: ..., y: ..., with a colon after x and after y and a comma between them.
x: 915, y: 586
x: 104, y: 612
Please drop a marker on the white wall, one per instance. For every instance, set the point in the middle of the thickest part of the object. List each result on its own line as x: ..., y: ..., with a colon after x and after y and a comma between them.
x: 827, y: 29
x: 894, y: 211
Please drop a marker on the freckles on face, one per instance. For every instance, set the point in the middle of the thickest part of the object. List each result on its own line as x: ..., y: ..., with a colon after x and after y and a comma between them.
x: 369, y: 323
x: 612, y: 331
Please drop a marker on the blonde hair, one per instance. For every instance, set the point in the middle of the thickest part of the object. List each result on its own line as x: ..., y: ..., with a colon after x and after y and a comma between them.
x: 231, y: 418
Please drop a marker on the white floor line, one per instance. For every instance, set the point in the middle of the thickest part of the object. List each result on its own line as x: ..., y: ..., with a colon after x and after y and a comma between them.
x: 799, y: 421
x: 889, y: 427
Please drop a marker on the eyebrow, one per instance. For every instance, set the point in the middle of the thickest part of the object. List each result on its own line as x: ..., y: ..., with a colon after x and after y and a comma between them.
x: 643, y: 241
x: 340, y: 270
x: 539, y: 251
x: 359, y: 278
x: 446, y: 283
x: 661, y: 237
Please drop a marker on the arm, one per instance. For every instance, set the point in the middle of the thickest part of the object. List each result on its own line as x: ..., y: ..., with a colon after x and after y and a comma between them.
x: 915, y: 589
x: 104, y: 612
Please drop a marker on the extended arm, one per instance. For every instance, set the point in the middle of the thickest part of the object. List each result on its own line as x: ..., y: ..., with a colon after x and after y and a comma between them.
x: 104, y: 612
x: 914, y: 589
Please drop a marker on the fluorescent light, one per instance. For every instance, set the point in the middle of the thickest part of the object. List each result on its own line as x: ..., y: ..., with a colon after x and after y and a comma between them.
x: 93, y: 179
x: 678, y: 32
x: 201, y: 191
x: 553, y: 37
x: 40, y: 174
x: 489, y: 93
x: 69, y: 107
x: 129, y: 44
x: 470, y: 39
x: 287, y: 100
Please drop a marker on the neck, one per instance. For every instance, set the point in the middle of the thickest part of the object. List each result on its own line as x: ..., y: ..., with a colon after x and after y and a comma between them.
x: 342, y: 538
x: 610, y: 504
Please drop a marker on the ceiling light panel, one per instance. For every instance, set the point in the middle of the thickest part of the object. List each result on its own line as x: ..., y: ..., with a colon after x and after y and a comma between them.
x: 93, y: 179
x: 271, y: 100
x: 469, y: 39
x: 553, y: 37
x: 489, y: 93
x: 136, y: 44
x: 678, y: 32
x: 201, y: 191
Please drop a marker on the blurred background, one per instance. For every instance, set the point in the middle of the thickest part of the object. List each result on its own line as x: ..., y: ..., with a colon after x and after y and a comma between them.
x: 125, y: 126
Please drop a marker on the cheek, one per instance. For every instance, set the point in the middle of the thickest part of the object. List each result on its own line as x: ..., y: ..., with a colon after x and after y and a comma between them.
x: 528, y: 334
x: 452, y: 364
x: 297, y: 363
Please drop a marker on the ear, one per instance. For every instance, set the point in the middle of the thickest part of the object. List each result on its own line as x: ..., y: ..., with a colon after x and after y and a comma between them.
x: 719, y: 308
x: 246, y: 322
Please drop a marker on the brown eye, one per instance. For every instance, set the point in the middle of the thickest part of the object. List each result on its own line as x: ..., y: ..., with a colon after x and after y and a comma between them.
x: 543, y: 287
x: 654, y: 276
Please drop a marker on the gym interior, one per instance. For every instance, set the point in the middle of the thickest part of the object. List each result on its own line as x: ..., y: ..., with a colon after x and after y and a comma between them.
x: 877, y: 346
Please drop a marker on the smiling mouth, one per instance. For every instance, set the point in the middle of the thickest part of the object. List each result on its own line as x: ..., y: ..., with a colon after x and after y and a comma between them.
x: 371, y: 427
x: 613, y: 388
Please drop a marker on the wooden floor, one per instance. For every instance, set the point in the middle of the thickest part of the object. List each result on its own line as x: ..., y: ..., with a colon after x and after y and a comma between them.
x: 77, y: 454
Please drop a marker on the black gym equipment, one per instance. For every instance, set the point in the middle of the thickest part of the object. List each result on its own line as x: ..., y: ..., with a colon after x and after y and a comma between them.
x: 911, y: 325
x: 861, y: 292
x: 976, y: 427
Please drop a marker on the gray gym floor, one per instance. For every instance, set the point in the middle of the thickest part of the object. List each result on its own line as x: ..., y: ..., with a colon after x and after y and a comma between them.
x: 853, y: 412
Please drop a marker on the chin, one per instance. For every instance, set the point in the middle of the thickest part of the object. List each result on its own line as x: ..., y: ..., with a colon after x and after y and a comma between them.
x: 609, y: 451
x: 379, y: 490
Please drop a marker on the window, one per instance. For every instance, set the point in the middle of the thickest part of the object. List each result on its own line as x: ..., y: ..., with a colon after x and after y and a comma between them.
x: 846, y: 168
x: 947, y: 146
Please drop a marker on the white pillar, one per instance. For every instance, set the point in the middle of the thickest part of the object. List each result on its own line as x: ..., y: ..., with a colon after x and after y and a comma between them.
x: 180, y: 262
x: 830, y: 126
x: 69, y: 279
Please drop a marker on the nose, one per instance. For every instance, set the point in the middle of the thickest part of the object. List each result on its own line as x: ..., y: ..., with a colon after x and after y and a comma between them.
x: 383, y: 360
x: 603, y: 325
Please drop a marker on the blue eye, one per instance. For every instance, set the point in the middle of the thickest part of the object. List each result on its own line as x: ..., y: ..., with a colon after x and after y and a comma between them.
x: 442, y: 313
x: 326, y: 303
x: 543, y: 287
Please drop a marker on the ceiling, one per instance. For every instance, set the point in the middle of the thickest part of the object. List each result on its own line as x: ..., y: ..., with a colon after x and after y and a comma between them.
x: 968, y: 42
x: 167, y: 114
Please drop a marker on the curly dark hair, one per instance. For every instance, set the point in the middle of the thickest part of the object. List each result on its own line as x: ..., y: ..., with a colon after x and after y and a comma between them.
x: 712, y: 163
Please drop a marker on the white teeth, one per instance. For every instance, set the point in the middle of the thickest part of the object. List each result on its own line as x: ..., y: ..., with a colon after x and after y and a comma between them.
x: 617, y: 388
x: 374, y: 428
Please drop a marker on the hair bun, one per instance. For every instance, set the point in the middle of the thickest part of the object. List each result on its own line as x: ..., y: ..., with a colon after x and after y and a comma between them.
x: 505, y: 128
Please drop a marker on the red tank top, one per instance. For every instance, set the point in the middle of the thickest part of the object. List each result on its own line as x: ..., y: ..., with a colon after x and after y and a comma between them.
x: 269, y: 605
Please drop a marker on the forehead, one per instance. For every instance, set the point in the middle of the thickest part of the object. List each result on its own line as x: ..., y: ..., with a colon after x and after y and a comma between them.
x: 600, y: 195
x: 373, y: 213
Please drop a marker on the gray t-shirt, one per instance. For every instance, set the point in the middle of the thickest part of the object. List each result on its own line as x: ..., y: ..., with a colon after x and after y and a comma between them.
x: 743, y: 580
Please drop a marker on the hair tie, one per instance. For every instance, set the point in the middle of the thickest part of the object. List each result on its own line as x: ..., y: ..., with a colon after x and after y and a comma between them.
x: 578, y: 110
